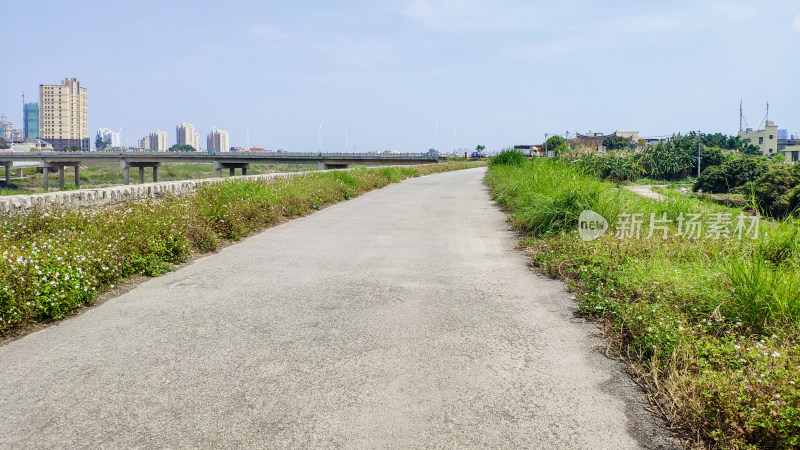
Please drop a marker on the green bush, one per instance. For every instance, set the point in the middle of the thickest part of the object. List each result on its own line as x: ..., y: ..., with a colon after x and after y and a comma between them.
x: 613, y: 166
x: 733, y: 173
x: 508, y: 157
x: 775, y: 190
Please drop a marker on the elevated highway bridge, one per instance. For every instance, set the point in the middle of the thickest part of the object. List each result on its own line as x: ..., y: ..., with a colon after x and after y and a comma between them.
x: 230, y: 161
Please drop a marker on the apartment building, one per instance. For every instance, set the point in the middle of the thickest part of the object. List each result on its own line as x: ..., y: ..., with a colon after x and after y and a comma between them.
x: 218, y: 141
x: 63, y: 115
x: 186, y: 135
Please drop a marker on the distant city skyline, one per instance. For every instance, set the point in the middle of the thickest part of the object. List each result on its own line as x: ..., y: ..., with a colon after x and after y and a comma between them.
x: 493, y: 73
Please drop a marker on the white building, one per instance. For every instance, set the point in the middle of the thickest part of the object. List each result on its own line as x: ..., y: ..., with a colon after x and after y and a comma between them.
x: 144, y: 143
x: 766, y: 139
x: 155, y: 141
x: 218, y: 141
x: 158, y: 141
x: 186, y: 135
x: 110, y: 136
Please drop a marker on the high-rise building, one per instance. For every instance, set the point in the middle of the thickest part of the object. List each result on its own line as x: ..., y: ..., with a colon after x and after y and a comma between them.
x: 144, y: 143
x: 63, y: 115
x: 218, y: 141
x: 30, y: 119
x: 158, y: 141
x: 186, y: 135
x: 110, y: 136
x: 7, y: 130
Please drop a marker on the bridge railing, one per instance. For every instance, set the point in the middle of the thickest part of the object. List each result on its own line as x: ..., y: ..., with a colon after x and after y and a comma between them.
x: 221, y: 155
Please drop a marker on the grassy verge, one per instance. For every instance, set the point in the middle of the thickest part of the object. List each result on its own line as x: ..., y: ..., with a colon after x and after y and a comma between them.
x: 710, y: 325
x: 55, y: 261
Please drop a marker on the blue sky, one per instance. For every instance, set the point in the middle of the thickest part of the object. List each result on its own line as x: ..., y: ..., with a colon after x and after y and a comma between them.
x: 491, y: 72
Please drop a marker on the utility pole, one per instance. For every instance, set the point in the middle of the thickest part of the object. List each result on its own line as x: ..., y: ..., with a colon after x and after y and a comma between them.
x: 545, y: 144
x: 437, y: 136
x: 698, y: 153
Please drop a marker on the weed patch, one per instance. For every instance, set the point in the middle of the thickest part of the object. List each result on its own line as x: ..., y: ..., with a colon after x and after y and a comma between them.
x: 711, y: 325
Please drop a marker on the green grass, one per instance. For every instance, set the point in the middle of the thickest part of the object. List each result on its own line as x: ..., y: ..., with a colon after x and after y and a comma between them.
x: 56, y: 260
x: 710, y: 325
x: 111, y: 174
x: 686, y: 182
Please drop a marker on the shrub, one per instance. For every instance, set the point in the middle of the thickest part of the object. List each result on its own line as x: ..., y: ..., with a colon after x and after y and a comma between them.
x: 735, y: 172
x: 508, y: 157
x: 774, y: 190
x: 667, y: 161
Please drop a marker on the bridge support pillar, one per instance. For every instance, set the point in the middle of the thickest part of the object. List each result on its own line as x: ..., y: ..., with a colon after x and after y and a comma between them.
x: 8, y: 174
x: 328, y: 166
x: 46, y: 165
x: 231, y: 166
x: 126, y: 165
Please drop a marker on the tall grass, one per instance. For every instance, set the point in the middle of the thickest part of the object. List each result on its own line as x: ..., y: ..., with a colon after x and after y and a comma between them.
x: 711, y: 325
x: 508, y: 157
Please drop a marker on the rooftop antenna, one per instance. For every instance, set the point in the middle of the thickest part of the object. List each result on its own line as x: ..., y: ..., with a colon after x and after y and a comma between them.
x: 742, y: 119
x: 766, y: 117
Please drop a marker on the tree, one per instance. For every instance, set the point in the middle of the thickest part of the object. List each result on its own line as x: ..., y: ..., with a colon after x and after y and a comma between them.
x: 670, y: 160
x: 774, y: 190
x: 616, y: 142
x: 709, y: 156
x: 747, y: 148
x: 182, y: 148
x: 480, y: 148
x: 100, y: 143
x: 71, y: 149
x: 556, y: 145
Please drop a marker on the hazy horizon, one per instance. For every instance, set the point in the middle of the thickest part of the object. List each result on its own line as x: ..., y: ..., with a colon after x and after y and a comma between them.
x: 493, y: 73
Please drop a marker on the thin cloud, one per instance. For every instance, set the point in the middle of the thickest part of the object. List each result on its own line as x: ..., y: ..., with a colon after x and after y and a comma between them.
x: 266, y: 32
x: 464, y: 16
x: 797, y: 22
x: 362, y: 53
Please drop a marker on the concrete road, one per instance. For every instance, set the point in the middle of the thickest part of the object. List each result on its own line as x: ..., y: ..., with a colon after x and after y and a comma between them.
x: 646, y: 190
x: 403, y: 318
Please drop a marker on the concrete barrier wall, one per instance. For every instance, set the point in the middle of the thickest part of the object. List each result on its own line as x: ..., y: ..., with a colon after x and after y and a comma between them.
x: 85, y: 198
